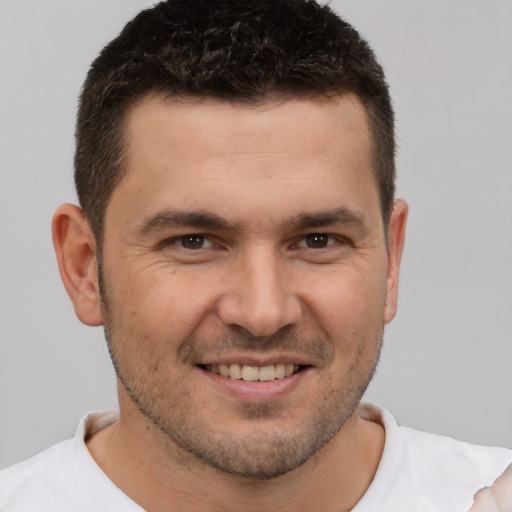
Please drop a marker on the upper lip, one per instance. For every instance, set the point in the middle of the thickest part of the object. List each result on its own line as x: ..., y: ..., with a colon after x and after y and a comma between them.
x: 255, y: 359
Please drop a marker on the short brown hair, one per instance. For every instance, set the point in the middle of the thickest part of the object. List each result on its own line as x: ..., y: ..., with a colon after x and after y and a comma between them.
x: 245, y: 51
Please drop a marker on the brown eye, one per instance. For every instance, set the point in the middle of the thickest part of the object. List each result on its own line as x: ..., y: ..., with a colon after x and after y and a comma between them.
x: 192, y: 241
x: 317, y: 240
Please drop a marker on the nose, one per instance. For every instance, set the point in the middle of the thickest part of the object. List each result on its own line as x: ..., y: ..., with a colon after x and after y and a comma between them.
x: 259, y: 296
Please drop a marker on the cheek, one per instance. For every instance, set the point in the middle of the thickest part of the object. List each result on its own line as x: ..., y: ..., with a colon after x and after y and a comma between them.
x: 349, y: 297
x: 158, y: 307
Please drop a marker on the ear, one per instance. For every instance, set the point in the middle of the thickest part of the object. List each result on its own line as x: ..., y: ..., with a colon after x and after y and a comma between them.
x: 75, y: 247
x: 396, y: 240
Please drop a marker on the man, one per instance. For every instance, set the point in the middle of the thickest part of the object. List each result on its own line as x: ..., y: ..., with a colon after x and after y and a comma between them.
x: 239, y: 240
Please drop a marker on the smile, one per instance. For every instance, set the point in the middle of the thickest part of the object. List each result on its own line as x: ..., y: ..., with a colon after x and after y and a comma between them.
x: 253, y: 373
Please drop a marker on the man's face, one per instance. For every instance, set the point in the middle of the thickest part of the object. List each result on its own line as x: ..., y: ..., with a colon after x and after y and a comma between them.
x: 246, y: 241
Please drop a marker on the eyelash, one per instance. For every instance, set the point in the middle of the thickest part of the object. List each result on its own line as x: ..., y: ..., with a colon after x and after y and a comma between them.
x: 179, y: 240
x: 315, y: 238
x: 301, y: 244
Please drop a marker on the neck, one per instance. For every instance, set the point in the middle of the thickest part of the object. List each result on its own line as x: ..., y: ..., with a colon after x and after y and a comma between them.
x: 157, y: 475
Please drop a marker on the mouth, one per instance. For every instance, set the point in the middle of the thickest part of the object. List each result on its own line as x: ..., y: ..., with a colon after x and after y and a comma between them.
x: 236, y: 371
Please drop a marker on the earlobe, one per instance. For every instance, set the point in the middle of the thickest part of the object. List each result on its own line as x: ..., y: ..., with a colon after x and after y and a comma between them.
x: 396, y: 240
x: 75, y: 247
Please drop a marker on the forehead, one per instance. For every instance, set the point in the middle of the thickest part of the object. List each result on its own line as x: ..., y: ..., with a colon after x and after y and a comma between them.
x: 309, y: 126
x: 217, y: 155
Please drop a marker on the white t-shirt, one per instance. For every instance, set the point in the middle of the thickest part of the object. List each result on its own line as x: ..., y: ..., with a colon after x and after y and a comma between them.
x: 418, y: 472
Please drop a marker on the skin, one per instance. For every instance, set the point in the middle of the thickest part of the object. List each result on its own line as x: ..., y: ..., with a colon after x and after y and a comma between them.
x: 498, y: 497
x: 264, y: 188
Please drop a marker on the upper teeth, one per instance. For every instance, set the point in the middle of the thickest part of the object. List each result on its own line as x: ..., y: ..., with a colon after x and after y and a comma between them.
x: 252, y: 373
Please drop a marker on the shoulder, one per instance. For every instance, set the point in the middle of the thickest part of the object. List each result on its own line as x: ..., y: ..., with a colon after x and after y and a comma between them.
x: 28, y: 483
x: 442, y: 455
x: 64, y: 477
x: 452, y: 460
x: 448, y: 472
x: 428, y: 472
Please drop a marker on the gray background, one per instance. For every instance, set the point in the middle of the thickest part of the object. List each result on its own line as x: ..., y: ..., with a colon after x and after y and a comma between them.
x: 447, y: 360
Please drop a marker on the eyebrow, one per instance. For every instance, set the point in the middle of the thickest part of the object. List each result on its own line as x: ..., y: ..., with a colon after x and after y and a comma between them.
x: 205, y: 220
x: 178, y: 218
x: 341, y: 215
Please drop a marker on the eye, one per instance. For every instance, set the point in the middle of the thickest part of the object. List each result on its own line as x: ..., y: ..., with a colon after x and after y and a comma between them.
x: 316, y: 241
x: 192, y: 242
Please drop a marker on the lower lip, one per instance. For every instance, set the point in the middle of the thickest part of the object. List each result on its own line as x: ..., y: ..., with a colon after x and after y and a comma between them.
x: 257, y: 390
